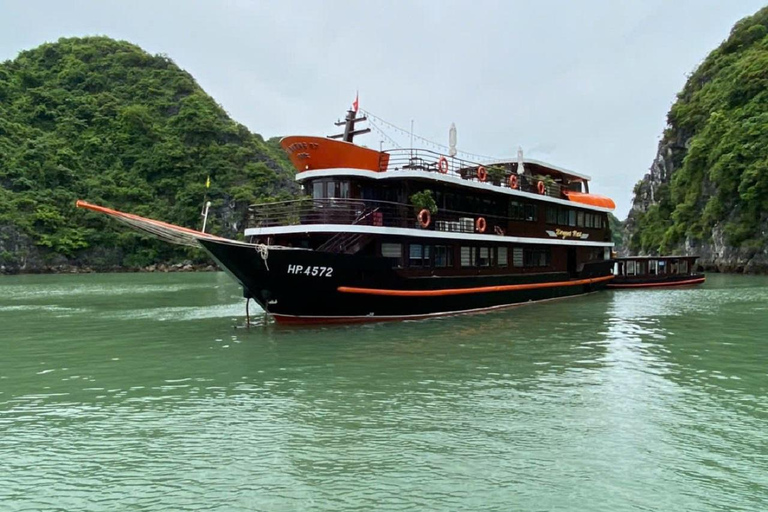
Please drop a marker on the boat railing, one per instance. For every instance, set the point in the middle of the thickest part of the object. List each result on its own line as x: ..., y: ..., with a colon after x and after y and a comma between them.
x: 497, y: 174
x: 344, y: 211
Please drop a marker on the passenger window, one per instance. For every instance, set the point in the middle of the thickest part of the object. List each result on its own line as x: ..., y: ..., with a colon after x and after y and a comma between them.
x: 394, y: 253
x: 501, y: 259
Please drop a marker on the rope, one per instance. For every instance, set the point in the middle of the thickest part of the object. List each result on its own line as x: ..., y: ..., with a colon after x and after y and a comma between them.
x: 436, y: 144
x: 263, y: 251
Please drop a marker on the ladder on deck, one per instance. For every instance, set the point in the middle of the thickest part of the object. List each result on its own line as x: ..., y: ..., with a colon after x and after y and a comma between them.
x: 348, y: 243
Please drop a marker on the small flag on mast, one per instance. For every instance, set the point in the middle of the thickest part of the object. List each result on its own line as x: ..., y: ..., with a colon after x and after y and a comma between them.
x: 356, y: 103
x: 208, y: 182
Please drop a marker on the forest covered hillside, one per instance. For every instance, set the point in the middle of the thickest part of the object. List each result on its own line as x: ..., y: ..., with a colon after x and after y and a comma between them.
x: 707, y: 189
x: 101, y: 120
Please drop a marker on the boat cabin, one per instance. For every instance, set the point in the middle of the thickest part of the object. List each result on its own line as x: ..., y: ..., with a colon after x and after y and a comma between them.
x: 647, y: 271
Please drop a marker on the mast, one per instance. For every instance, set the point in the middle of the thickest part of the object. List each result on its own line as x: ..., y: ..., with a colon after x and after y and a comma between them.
x: 349, y: 127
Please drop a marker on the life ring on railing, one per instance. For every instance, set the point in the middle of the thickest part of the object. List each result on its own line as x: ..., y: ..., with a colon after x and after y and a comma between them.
x: 482, y: 174
x: 442, y: 164
x: 480, y: 225
x: 513, y: 181
x: 540, y: 187
x: 424, y: 218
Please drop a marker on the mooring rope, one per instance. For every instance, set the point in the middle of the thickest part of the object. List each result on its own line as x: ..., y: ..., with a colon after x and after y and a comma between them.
x: 263, y: 251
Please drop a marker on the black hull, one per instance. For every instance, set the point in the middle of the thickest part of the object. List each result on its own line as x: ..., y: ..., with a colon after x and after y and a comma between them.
x: 301, y: 286
x: 656, y: 281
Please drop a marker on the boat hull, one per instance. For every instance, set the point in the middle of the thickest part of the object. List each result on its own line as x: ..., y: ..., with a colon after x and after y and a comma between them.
x: 303, y: 286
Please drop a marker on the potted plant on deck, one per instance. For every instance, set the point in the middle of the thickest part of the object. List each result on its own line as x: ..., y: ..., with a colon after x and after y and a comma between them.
x: 425, y: 206
x: 496, y: 174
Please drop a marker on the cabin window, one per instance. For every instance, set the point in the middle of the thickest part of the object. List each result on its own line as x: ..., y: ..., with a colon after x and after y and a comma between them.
x: 662, y: 267
x: 684, y: 267
x: 630, y: 268
x: 501, y: 256
x: 653, y: 267
x: 523, y: 211
x: 418, y: 255
x: 330, y: 189
x: 393, y: 253
x: 551, y: 215
x: 642, y: 268
x: 571, y: 218
x: 537, y: 257
x: 562, y: 216
x: 595, y: 254
x: 318, y: 189
x: 531, y: 212
x: 483, y: 257
x: 580, y: 219
x: 517, y: 257
x: 516, y: 210
x: 467, y: 257
x: 443, y: 256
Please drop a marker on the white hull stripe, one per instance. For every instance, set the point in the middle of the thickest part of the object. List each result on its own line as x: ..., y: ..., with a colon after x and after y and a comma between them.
x: 420, y: 233
x: 446, y: 178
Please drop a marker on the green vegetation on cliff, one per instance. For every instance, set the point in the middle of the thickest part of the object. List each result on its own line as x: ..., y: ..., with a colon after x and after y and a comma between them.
x: 616, y: 227
x: 715, y: 150
x: 104, y: 121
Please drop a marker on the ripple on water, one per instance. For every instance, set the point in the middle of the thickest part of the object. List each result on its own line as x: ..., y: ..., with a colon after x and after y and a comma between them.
x: 615, y: 401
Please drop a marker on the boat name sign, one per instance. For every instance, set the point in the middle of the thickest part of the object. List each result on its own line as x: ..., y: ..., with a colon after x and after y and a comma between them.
x: 311, y: 271
x: 305, y: 146
x: 559, y: 233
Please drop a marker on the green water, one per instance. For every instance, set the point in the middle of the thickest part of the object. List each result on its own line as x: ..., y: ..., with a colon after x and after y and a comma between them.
x: 142, y: 392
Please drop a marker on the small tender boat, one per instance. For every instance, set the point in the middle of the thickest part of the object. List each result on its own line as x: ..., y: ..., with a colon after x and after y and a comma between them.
x: 652, y: 271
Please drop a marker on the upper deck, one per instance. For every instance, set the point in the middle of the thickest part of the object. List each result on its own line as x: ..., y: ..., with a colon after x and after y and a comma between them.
x: 315, y: 157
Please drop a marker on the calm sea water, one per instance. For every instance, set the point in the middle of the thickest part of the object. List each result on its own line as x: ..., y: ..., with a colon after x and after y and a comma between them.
x: 143, y: 392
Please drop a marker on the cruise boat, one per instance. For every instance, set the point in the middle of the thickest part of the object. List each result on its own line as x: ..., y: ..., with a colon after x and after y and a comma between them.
x: 655, y: 271
x: 410, y: 233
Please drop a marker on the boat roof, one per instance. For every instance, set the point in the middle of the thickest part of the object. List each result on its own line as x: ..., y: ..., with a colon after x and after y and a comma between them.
x: 557, y: 168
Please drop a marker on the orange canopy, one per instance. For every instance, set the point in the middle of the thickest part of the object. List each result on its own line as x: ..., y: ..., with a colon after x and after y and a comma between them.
x: 590, y: 199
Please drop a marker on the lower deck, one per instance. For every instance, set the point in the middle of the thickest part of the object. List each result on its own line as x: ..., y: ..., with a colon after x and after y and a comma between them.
x: 417, y: 257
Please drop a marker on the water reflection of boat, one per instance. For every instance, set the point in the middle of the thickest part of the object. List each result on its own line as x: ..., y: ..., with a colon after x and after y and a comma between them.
x: 653, y: 271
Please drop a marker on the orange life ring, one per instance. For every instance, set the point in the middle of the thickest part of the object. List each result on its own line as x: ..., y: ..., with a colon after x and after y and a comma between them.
x: 480, y: 225
x: 540, y: 187
x: 482, y: 175
x: 442, y: 164
x: 513, y: 181
x: 424, y: 218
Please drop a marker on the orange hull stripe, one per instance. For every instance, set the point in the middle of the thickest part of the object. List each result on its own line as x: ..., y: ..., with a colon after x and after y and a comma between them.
x: 673, y: 283
x: 463, y: 291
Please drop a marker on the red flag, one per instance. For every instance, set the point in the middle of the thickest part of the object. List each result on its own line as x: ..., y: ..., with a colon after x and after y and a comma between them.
x: 356, y: 103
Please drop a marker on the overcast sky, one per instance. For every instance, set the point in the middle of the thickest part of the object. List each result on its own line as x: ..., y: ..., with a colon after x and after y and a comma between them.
x: 584, y: 85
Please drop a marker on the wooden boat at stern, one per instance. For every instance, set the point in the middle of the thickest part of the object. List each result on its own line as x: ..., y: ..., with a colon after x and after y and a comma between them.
x: 411, y: 233
x: 655, y: 271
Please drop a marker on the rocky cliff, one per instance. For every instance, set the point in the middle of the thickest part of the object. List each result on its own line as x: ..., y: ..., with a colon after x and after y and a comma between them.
x: 102, y: 120
x: 707, y: 189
